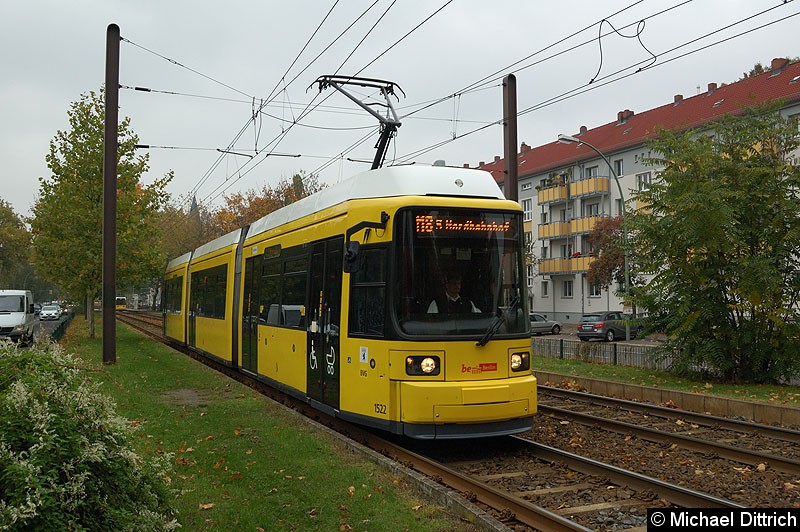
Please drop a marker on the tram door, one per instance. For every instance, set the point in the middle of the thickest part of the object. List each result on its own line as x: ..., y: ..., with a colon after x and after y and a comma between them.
x: 250, y: 313
x: 192, y: 321
x: 192, y: 328
x: 324, y: 314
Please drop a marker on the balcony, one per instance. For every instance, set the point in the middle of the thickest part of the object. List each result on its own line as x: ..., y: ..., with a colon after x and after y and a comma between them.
x: 554, y: 230
x: 552, y: 194
x: 584, y: 225
x: 590, y: 186
x: 564, y: 266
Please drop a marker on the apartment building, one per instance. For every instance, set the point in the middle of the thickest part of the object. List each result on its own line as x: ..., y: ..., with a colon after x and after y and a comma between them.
x: 566, y: 188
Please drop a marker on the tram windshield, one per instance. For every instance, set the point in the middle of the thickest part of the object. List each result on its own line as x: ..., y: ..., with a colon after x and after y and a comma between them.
x: 459, y: 273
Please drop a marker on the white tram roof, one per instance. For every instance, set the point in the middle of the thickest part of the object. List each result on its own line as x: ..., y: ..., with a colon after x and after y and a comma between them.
x: 177, y: 261
x: 221, y: 242
x: 385, y: 183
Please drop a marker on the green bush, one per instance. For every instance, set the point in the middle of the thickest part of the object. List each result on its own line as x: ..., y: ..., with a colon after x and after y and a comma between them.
x: 66, y: 461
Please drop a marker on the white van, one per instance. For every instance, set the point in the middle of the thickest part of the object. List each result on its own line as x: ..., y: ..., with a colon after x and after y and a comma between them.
x: 17, y: 316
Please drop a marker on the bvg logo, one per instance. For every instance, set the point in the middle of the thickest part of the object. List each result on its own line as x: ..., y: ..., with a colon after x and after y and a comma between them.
x: 480, y: 368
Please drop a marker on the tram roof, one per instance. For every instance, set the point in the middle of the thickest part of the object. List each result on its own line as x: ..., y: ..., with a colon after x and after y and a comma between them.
x: 223, y: 241
x: 385, y: 183
x: 177, y: 261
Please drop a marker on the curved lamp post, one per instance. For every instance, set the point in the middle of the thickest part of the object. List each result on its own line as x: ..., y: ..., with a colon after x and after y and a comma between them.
x: 567, y: 139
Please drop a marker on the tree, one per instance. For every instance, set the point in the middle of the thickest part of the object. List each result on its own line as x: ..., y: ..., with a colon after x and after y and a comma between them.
x: 67, y: 216
x: 14, y: 246
x: 242, y: 209
x: 183, y: 231
x: 606, y: 240
x: 721, y: 239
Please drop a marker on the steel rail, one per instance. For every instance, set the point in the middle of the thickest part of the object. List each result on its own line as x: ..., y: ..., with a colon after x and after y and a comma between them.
x: 780, y: 433
x: 679, y: 495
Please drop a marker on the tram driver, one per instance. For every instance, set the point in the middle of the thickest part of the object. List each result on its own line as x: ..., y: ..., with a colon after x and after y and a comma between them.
x: 451, y: 301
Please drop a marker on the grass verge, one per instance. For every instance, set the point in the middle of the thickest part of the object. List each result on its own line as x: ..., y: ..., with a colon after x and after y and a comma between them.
x: 241, y: 462
x: 774, y: 394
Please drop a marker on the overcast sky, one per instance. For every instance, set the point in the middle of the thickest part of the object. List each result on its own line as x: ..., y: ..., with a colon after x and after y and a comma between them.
x: 221, y: 57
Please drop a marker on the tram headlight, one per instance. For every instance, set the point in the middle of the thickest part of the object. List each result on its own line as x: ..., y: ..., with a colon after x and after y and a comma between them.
x: 422, y: 365
x: 520, y: 361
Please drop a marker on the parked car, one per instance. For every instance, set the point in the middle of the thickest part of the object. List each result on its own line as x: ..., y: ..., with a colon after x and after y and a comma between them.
x: 50, y: 312
x: 608, y: 326
x: 540, y: 324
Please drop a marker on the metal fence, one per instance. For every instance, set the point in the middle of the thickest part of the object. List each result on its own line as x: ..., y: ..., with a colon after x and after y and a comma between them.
x: 642, y: 356
x: 62, y: 327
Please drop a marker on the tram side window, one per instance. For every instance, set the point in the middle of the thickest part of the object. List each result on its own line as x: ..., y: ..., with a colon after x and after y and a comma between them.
x: 294, y: 293
x: 172, y: 294
x: 209, y: 292
x: 368, y: 294
x: 283, y: 293
x: 270, y: 292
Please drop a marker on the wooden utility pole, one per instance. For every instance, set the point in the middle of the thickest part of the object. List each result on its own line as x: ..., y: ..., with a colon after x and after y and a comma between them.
x: 110, y: 196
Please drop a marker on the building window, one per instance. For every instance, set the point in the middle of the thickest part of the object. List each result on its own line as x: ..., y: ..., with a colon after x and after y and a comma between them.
x: 595, y: 290
x: 526, y: 186
x: 591, y: 171
x: 618, y: 205
x: 544, y: 218
x: 544, y: 252
x: 545, y: 288
x: 643, y: 181
x: 618, y: 167
x: 527, y: 206
x: 591, y: 209
x: 567, y: 289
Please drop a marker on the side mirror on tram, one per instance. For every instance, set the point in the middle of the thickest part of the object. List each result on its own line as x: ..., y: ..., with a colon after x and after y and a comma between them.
x: 350, y: 264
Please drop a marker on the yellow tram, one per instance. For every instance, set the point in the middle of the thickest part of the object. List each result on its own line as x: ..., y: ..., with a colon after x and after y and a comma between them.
x: 349, y: 300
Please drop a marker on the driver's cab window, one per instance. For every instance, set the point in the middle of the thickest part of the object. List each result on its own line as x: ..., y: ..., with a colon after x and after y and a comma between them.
x: 457, y: 271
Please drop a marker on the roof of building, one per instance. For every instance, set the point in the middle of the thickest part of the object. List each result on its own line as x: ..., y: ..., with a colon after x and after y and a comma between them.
x: 780, y: 83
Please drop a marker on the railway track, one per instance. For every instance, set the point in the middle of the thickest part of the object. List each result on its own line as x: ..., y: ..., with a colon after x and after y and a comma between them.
x: 753, y: 464
x: 588, y: 493
x: 622, y: 405
x: 523, y: 484
x: 748, y: 443
x: 141, y: 318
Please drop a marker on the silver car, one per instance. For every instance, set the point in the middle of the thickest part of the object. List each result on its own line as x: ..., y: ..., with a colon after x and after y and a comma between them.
x: 50, y: 312
x: 540, y: 325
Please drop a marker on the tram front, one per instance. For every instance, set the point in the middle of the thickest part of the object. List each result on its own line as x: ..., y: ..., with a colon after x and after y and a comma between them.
x: 460, y: 311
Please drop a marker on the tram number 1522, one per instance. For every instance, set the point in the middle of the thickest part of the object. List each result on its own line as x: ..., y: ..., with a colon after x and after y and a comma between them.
x: 380, y: 408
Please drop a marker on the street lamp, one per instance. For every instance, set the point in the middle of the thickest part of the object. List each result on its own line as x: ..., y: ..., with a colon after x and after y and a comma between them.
x: 567, y: 139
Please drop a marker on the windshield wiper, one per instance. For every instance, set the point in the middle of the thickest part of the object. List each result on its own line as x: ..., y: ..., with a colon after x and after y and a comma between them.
x: 498, y: 321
